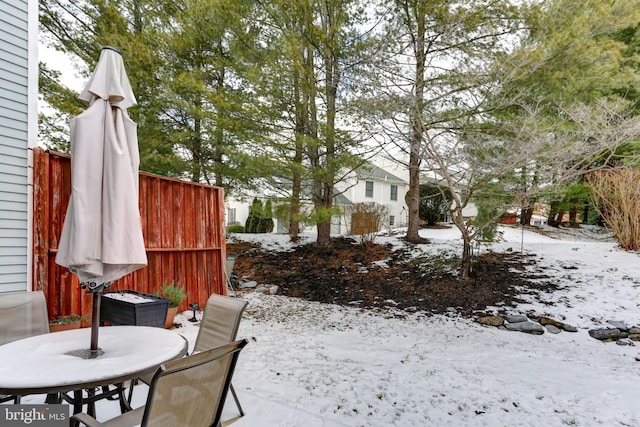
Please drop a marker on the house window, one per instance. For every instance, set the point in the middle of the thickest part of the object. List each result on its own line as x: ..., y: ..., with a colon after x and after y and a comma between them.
x: 392, y: 220
x: 368, y: 192
x: 394, y: 192
x: 231, y: 215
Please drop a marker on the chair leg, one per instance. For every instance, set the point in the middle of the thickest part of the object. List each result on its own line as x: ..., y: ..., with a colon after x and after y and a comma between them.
x: 230, y: 286
x: 235, y: 397
x: 134, y: 381
x: 53, y: 398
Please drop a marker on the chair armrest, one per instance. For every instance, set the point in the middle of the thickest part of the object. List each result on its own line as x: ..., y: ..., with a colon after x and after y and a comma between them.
x: 84, y: 419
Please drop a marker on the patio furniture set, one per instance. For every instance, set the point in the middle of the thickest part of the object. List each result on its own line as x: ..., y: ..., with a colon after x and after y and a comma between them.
x: 183, y: 389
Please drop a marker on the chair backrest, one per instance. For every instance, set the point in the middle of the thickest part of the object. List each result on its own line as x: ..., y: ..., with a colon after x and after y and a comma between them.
x: 228, y: 269
x: 231, y: 260
x: 22, y: 315
x: 191, y: 391
x: 220, y: 322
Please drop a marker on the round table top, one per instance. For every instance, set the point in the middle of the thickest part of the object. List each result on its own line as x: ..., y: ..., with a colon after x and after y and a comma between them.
x: 45, y: 363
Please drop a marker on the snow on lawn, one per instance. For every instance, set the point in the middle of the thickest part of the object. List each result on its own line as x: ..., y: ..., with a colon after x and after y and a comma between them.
x: 373, y: 368
x: 310, y: 364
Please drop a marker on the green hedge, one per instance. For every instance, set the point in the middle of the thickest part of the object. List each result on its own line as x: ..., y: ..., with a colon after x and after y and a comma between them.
x: 235, y: 229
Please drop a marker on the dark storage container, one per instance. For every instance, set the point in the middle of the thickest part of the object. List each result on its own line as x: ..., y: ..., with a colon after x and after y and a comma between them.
x: 133, y: 308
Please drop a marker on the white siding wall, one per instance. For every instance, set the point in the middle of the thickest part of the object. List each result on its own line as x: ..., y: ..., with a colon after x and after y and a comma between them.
x: 382, y: 196
x: 354, y: 190
x: 18, y: 128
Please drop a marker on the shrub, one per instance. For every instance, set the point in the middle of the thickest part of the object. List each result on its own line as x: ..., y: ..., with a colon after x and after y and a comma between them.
x: 255, y: 212
x: 366, y: 220
x: 266, y: 221
x: 174, y: 292
x: 434, y: 204
x: 617, y: 196
x: 235, y: 229
x: 64, y: 320
x: 260, y: 218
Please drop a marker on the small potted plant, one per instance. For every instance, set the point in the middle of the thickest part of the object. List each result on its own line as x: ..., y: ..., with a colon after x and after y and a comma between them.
x: 175, y: 294
x: 63, y: 323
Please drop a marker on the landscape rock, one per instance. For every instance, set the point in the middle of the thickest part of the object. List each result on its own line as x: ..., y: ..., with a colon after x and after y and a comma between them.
x: 608, y: 334
x: 568, y: 328
x: 624, y: 341
x: 618, y: 325
x: 634, y: 337
x: 634, y: 330
x: 549, y: 321
x: 560, y: 325
x: 516, y: 318
x: 552, y: 329
x: 273, y: 290
x: 527, y: 327
x: 249, y: 285
x: 491, y: 320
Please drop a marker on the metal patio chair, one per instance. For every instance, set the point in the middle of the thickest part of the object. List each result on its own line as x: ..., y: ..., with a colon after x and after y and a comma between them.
x: 220, y: 323
x: 228, y: 271
x: 186, y: 392
x: 22, y: 315
x: 219, y: 326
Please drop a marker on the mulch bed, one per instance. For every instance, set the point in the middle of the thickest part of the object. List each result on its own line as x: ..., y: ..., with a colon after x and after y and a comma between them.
x: 349, y: 273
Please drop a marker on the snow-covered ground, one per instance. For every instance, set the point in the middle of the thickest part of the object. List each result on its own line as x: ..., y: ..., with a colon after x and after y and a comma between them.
x: 310, y: 364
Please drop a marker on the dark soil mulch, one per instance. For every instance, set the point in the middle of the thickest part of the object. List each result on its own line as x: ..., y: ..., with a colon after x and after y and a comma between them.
x: 349, y: 273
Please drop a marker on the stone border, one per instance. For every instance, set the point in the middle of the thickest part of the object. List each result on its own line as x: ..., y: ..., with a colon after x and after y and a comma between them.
x: 619, y: 331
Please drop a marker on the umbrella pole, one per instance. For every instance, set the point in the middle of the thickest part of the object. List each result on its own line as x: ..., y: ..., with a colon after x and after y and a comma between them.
x: 95, y: 321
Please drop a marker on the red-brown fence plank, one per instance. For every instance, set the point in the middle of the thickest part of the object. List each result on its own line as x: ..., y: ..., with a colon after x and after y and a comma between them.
x: 41, y: 228
x: 182, y: 224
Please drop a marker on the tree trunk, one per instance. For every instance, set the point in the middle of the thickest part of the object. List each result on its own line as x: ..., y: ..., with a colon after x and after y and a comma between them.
x: 585, y: 213
x: 525, y: 216
x: 417, y: 129
x: 573, y: 215
x: 330, y: 22
x: 196, y: 149
x: 301, y: 117
x: 466, y: 262
x: 324, y: 234
x: 554, y: 206
x: 414, y: 199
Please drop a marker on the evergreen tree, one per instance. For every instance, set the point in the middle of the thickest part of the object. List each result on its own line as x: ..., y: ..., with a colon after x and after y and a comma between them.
x: 188, y: 63
x: 135, y: 27
x: 435, y: 202
x: 253, y: 219
x: 266, y: 223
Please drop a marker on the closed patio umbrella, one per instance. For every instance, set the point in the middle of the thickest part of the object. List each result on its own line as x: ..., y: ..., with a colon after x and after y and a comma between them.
x: 101, y: 238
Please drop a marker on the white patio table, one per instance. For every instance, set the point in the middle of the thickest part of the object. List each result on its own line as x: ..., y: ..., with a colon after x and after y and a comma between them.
x: 52, y: 363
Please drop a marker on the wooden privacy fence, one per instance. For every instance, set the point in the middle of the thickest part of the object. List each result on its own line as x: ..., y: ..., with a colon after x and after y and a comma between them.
x: 182, y: 224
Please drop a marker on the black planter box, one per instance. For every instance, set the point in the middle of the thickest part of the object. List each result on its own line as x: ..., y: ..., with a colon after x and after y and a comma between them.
x: 117, y: 311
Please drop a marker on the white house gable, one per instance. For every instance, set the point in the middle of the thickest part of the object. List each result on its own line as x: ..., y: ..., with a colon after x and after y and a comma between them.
x: 369, y: 184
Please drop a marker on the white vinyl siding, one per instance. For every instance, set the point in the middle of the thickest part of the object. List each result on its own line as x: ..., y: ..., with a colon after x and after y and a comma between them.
x: 18, y: 112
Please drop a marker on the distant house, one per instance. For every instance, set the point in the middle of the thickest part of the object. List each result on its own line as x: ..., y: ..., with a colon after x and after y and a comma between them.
x: 367, y: 184
x: 18, y: 134
x: 371, y: 183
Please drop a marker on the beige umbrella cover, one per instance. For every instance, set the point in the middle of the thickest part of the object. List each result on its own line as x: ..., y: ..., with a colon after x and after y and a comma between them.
x: 101, y: 238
